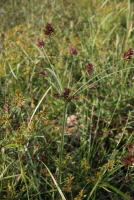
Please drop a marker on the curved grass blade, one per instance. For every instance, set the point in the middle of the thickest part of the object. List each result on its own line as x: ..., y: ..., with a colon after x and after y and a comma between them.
x: 55, y: 77
x: 56, y: 184
x: 85, y: 87
x: 39, y: 104
x: 117, y: 191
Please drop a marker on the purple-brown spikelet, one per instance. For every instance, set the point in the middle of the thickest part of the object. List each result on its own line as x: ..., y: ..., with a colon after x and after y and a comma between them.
x: 57, y: 96
x: 40, y: 43
x: 128, y: 54
x: 128, y: 160
x: 89, y: 68
x: 49, y: 29
x: 73, y: 50
x: 65, y: 95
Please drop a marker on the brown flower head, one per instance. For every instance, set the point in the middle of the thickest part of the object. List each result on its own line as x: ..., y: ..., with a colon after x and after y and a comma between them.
x: 127, y: 55
x: 65, y: 95
x: 89, y: 68
x: 57, y: 96
x: 40, y: 43
x: 128, y: 160
x: 73, y: 50
x: 49, y: 30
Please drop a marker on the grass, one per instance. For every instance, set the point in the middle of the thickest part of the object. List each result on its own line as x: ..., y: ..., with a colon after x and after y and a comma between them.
x: 66, y: 100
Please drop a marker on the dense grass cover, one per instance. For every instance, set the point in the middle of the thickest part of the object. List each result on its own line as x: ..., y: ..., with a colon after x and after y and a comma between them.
x: 66, y: 100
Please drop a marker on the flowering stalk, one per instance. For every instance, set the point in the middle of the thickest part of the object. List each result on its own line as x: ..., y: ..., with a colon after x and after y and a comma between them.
x: 62, y: 143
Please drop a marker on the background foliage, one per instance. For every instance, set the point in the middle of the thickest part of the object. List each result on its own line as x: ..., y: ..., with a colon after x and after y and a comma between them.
x: 53, y: 148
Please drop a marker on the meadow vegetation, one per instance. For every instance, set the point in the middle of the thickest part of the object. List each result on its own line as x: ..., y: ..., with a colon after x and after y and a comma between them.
x: 66, y: 100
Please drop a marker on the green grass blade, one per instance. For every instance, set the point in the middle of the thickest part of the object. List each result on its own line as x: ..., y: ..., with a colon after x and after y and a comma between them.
x: 39, y: 104
x: 55, y: 77
x: 56, y: 184
x: 117, y: 191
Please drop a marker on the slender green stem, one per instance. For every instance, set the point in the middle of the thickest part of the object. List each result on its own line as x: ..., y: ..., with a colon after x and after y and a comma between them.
x: 71, y: 70
x: 62, y: 143
x: 85, y: 87
x: 92, y: 79
x: 34, y: 172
